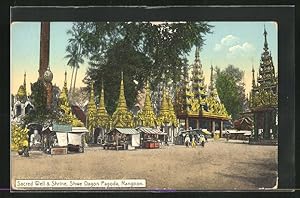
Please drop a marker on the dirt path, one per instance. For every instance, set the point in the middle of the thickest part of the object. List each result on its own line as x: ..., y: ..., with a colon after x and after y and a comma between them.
x: 220, y: 165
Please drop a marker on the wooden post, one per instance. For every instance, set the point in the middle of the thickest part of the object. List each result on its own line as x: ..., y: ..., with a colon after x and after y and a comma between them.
x: 221, y: 128
x: 187, y: 123
x: 117, y: 141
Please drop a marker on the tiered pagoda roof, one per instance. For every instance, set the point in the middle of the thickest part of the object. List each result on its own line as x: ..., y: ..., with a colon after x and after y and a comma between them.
x: 198, y: 86
x: 265, y: 92
x: 193, y: 101
x: 103, y: 117
x: 147, y: 117
x: 122, y: 118
x: 65, y: 107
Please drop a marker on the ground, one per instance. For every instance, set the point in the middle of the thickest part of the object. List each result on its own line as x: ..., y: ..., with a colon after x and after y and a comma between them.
x: 220, y: 165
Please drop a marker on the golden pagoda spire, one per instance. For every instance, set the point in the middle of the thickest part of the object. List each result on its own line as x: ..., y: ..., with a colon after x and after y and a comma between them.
x: 122, y: 117
x: 198, y: 87
x: 253, y: 79
x: 92, y: 111
x: 197, y: 54
x: 103, y: 117
x: 163, y: 116
x: 65, y: 107
x: 24, y: 83
x: 266, y: 42
x: 64, y: 93
x: 21, y: 94
x: 65, y: 82
x: 147, y: 116
x: 172, y: 115
x: 122, y: 101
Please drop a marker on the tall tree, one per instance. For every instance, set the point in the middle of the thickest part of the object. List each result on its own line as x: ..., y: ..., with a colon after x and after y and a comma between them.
x: 231, y: 89
x: 143, y: 50
x: 75, y: 58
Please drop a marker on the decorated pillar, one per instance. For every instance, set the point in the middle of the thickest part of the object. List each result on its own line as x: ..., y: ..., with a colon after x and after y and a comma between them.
x: 44, y: 48
x: 221, y: 128
x: 213, y: 125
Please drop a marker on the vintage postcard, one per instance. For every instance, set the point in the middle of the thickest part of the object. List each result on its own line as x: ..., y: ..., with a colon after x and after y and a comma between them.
x: 149, y: 105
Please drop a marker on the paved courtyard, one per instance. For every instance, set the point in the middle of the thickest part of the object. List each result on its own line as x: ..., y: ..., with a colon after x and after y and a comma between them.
x: 220, y: 165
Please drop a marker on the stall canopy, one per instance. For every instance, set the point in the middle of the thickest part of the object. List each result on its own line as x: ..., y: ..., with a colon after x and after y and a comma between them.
x: 66, y: 134
x: 127, y: 131
x: 150, y: 131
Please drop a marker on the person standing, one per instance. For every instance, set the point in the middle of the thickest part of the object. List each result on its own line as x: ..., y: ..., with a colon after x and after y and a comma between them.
x: 202, y: 140
x: 193, y: 142
x: 187, y: 140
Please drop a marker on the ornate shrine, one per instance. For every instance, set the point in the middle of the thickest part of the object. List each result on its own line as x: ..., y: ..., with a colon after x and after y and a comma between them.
x: 264, y: 97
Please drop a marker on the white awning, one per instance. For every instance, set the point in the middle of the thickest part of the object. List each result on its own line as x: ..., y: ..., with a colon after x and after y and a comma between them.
x: 79, y: 130
x: 150, y: 131
x: 127, y: 131
x: 74, y: 130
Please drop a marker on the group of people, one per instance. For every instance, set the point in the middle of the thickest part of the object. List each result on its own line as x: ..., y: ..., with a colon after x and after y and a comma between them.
x: 201, y: 140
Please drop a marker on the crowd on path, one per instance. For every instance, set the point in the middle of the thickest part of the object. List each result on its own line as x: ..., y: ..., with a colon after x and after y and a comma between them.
x: 195, y: 140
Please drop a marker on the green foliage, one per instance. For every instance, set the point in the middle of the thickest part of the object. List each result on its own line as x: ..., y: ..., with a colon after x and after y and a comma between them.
x: 231, y: 90
x: 141, y: 50
x: 19, y: 137
x: 41, y: 114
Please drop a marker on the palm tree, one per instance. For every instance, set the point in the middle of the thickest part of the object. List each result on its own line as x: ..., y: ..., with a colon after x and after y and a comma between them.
x: 75, y: 58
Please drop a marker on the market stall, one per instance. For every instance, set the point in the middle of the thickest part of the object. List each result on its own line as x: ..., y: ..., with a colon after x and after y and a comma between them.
x: 122, y: 139
x: 61, y: 139
x: 151, y: 138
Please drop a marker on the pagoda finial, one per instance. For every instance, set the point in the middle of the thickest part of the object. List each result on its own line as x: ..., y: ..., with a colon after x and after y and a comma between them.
x: 253, y: 79
x: 197, y: 54
x: 266, y: 42
x: 24, y: 80
x: 65, y: 83
x: 211, y: 74
x: 92, y: 96
x: 101, y: 102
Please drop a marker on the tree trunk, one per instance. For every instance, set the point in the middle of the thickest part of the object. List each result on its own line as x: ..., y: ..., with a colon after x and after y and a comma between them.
x: 70, y: 90
x: 75, y: 79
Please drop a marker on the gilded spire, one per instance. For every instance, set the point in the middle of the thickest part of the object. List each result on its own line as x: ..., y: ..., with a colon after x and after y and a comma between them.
x: 64, y: 93
x: 65, y: 82
x: 64, y: 106
x: 147, y: 116
x: 101, y: 102
x: 24, y: 83
x: 92, y: 111
x: 163, y: 116
x: 21, y: 94
x: 197, y: 54
x: 122, y: 101
x: 211, y: 74
x: 122, y: 117
x: 103, y: 117
x: 266, y: 42
x: 253, y: 79
x: 172, y: 115
x: 198, y: 78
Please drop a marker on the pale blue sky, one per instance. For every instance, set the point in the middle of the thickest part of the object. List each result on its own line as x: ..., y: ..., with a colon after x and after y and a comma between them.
x: 237, y: 43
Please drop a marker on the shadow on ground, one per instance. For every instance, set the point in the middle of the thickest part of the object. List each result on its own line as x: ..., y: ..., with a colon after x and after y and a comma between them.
x: 266, y: 178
